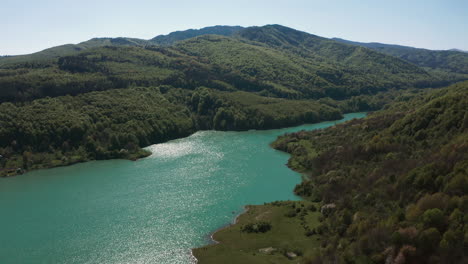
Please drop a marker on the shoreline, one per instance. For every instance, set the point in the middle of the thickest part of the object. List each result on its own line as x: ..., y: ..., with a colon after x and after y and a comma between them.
x: 246, y: 207
x: 237, y: 245
x: 138, y: 157
x: 25, y: 171
x: 214, y: 241
x: 235, y: 221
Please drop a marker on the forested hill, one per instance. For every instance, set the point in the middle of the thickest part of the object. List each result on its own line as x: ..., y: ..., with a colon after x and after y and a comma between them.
x: 449, y: 61
x: 271, y: 60
x: 107, y: 98
x: 69, y: 49
x: 449, y: 65
x: 177, y: 36
x: 398, y: 181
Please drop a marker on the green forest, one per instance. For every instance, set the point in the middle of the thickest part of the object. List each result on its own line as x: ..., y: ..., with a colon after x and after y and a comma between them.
x: 117, y: 123
x: 398, y: 181
x: 389, y: 188
x: 108, y: 98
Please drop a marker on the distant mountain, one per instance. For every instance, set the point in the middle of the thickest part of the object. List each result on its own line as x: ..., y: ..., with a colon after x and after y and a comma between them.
x: 304, y: 65
x: 373, y: 45
x: 320, y: 50
x: 459, y: 50
x: 396, y: 180
x: 272, y: 60
x: 448, y: 61
x: 448, y: 65
x: 163, y: 40
x: 190, y: 33
x: 70, y: 49
x: 107, y: 97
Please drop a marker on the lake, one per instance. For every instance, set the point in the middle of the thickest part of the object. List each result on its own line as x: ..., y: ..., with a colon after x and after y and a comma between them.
x: 153, y: 210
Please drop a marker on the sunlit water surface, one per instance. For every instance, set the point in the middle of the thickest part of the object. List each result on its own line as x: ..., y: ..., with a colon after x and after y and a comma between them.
x: 153, y: 210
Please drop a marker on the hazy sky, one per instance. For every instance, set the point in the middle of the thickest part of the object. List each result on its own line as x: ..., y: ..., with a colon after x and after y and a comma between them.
x: 31, y: 25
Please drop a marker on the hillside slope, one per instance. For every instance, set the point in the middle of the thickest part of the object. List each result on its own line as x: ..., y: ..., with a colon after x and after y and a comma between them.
x: 117, y: 123
x: 390, y: 188
x: 172, y: 38
x: 163, y: 40
x: 260, y: 77
x: 300, y: 66
x: 69, y: 49
x: 398, y: 179
x: 448, y: 61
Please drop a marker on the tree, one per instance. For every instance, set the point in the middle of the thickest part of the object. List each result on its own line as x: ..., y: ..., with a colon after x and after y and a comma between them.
x: 434, y: 218
x: 429, y: 239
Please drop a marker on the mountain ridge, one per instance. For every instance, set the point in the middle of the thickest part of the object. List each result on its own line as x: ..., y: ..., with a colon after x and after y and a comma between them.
x: 164, y: 40
x: 116, y: 96
x: 171, y: 39
x: 176, y: 36
x: 449, y: 61
x: 272, y: 60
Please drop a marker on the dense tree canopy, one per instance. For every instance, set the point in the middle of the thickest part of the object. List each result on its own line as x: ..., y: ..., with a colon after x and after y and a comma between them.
x: 271, y: 61
x: 117, y: 123
x: 401, y: 173
x: 107, y: 98
x: 394, y: 185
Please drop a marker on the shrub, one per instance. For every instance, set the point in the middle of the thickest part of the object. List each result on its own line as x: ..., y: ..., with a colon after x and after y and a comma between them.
x: 258, y: 227
x: 290, y: 213
x: 434, y: 218
x: 458, y: 185
x: 429, y: 239
x: 312, y: 208
x: 437, y: 200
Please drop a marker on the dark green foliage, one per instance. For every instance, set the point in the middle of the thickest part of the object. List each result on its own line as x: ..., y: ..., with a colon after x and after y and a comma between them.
x: 258, y: 227
x: 312, y: 208
x: 398, y: 179
x: 117, y: 123
x: 429, y: 240
x: 227, y: 83
x: 298, y: 64
x: 434, y: 218
x: 272, y: 61
x: 98, y: 125
x: 291, y: 213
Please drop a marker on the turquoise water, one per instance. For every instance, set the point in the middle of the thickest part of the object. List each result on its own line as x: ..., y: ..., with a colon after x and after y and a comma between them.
x: 153, y: 210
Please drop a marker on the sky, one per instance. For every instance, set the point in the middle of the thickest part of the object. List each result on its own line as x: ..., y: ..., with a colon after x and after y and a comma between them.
x: 28, y: 26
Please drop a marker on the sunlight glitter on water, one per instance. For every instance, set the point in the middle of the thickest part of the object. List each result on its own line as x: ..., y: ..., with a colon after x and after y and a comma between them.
x: 194, y: 145
x: 153, y: 210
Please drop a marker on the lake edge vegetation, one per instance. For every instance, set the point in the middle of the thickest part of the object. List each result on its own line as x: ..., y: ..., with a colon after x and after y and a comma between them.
x: 401, y: 173
x: 108, y: 98
x: 390, y: 188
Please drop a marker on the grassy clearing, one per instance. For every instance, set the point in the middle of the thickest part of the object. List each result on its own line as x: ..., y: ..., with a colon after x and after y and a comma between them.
x: 290, y: 221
